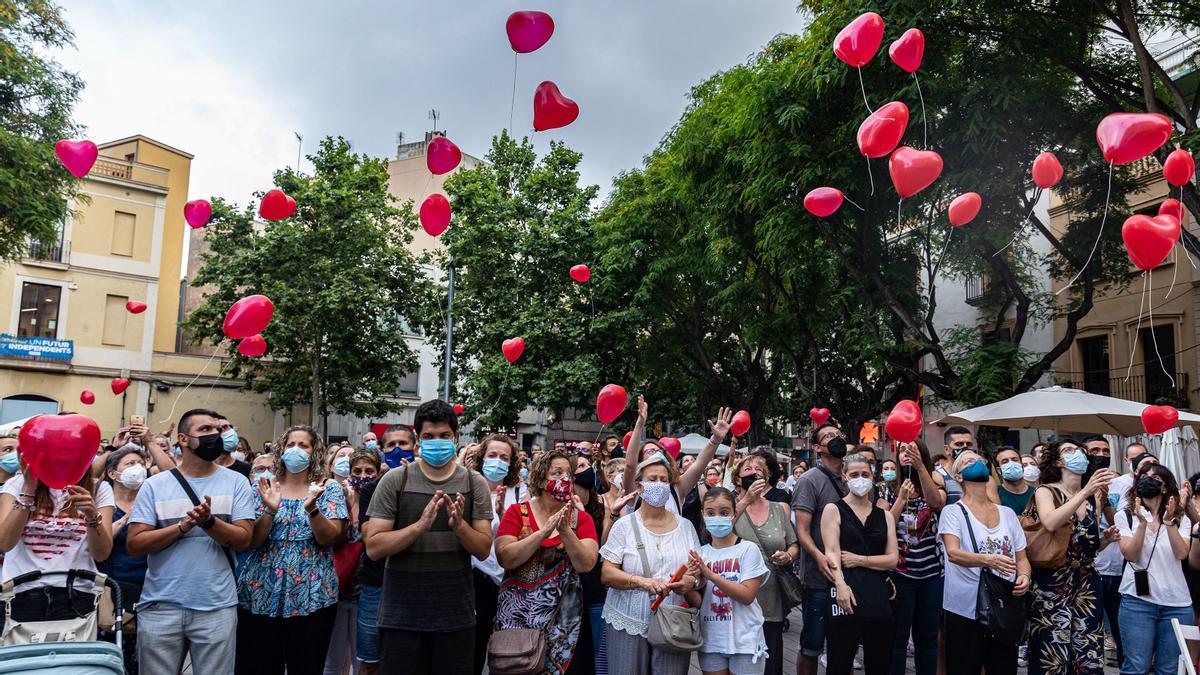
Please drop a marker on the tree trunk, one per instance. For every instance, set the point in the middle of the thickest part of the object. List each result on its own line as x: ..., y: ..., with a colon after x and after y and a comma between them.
x: 315, y: 407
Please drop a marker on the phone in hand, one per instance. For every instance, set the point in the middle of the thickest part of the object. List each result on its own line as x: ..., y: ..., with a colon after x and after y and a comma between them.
x: 137, y: 420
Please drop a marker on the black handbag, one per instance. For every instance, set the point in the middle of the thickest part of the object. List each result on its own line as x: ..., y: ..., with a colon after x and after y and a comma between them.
x: 1001, y: 615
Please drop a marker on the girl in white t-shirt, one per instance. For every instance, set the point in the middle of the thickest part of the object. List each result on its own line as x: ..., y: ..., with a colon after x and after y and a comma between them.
x: 734, y: 570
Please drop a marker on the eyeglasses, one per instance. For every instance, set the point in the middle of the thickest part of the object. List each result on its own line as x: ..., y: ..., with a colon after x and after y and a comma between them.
x: 825, y: 438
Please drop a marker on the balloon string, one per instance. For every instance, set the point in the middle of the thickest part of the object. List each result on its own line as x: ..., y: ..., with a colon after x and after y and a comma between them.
x: 1037, y: 195
x: 1099, y: 234
x: 852, y: 201
x: 863, y: 87
x: 500, y: 392
x: 171, y: 414
x: 1153, y: 333
x: 871, y: 176
x: 1174, y: 273
x: 924, y: 126
x: 513, y: 104
x: 1138, y: 329
x: 598, y: 433
x: 942, y: 256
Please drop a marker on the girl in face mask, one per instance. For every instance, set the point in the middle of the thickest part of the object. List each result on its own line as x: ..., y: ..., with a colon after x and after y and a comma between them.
x: 549, y: 540
x: 1069, y: 594
x: 287, y: 586
x: 125, y: 470
x: 860, y: 538
x: 632, y: 583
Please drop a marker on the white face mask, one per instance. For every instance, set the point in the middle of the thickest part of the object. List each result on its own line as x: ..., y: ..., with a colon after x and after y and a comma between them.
x: 238, y: 455
x: 1032, y: 473
x: 860, y: 486
x: 133, y: 476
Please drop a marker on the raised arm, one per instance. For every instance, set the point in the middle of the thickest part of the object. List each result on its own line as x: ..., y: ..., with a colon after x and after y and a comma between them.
x: 720, y: 429
x: 932, y: 488
x: 633, y: 454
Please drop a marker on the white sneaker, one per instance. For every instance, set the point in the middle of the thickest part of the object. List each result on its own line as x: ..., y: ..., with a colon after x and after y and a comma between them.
x: 823, y: 662
x: 857, y: 664
x: 1023, y: 656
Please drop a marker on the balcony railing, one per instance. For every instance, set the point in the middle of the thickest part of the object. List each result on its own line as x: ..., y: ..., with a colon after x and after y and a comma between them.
x: 1157, y: 390
x: 58, y: 252
x: 113, y: 168
x: 977, y: 286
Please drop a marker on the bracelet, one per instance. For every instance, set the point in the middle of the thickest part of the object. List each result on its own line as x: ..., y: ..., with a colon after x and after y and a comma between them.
x: 312, y: 513
x: 180, y: 526
x: 92, y: 522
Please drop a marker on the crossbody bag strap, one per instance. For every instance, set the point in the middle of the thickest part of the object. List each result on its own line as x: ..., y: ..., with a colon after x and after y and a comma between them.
x: 832, y: 479
x: 641, y: 547
x: 187, y: 489
x: 970, y: 530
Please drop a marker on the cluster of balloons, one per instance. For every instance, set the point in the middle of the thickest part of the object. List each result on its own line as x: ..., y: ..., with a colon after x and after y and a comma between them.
x: 245, y: 321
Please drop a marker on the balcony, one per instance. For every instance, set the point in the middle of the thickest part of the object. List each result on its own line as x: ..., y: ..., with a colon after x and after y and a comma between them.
x: 113, y: 168
x: 977, y: 288
x: 1157, y: 390
x: 59, y: 252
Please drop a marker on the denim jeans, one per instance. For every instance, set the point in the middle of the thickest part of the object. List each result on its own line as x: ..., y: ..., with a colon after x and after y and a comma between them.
x: 817, y: 605
x: 366, y: 639
x: 165, y: 631
x: 918, y: 607
x: 1146, y: 633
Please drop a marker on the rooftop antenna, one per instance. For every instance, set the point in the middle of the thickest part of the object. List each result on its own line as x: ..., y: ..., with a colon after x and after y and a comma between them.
x: 434, y: 115
x: 299, y: 148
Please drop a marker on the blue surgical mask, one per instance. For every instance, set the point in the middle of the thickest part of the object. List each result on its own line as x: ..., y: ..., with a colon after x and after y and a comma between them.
x: 10, y: 463
x: 889, y: 475
x: 437, y: 451
x: 371, y: 445
x: 295, y: 460
x: 1012, y: 471
x: 229, y: 439
x: 1076, y: 462
x: 718, y: 526
x: 523, y: 473
x: 265, y: 473
x: 977, y: 472
x: 495, y: 469
x: 341, y: 466
x: 1114, y: 498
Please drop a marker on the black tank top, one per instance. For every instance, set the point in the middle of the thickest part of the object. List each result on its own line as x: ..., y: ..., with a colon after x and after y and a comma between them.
x: 869, y: 538
x: 871, y: 591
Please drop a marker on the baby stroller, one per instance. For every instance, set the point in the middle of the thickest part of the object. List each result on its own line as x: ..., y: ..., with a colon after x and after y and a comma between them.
x: 60, y: 647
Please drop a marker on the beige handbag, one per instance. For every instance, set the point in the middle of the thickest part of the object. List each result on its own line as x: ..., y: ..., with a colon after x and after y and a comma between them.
x: 673, y: 628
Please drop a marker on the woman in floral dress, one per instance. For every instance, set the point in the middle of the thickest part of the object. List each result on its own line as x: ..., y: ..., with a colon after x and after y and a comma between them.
x: 287, y: 588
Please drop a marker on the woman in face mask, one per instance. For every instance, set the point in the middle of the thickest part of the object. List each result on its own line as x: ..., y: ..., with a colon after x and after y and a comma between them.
x: 543, y: 545
x: 10, y: 461
x: 588, y: 483
x: 889, y: 479
x: 1066, y: 621
x: 125, y: 470
x: 667, y: 539
x: 860, y: 538
x: 767, y: 525
x: 287, y: 587
x: 1155, y: 536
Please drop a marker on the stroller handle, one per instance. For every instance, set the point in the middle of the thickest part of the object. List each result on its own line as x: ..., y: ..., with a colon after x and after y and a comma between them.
x: 72, y: 575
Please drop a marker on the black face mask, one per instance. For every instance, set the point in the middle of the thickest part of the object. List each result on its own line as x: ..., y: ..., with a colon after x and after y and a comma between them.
x: 747, y: 481
x: 209, y: 447
x: 586, y: 479
x: 836, y: 447
x: 1149, y: 488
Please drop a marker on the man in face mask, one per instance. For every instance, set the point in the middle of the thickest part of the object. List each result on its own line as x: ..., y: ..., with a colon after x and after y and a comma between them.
x: 189, y: 599
x: 399, y: 446
x: 428, y: 518
x: 229, y: 441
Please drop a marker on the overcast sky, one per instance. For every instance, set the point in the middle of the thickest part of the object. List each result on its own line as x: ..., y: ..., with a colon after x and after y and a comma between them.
x: 231, y: 81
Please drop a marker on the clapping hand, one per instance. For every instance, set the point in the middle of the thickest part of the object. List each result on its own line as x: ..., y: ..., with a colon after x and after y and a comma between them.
x: 454, y: 510
x: 696, y: 565
x: 314, y: 491
x: 200, y: 513
x: 1098, y: 484
x: 430, y: 511
x: 270, y: 493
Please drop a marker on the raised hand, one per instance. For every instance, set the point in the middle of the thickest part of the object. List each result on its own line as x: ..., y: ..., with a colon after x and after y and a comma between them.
x: 1098, y: 484
x: 720, y: 427
x: 82, y: 500
x: 643, y: 410
x: 624, y: 500
x: 272, y: 496
x: 1139, y: 510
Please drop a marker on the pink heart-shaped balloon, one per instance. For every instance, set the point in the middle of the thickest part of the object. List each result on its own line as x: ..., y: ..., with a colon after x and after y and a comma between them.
x: 672, y: 446
x: 135, y: 307
x: 819, y: 415
x: 435, y: 214
x: 1158, y: 418
x: 857, y: 43
x: 528, y: 30
x: 552, y: 110
x: 248, y: 316
x: 441, y: 155
x: 59, y: 449
x: 740, y: 423
x: 1149, y: 240
x: 86, y: 397
x: 254, y: 345
x: 913, y: 170
x: 610, y: 403
x: 581, y: 273
x: 823, y: 201
x: 964, y: 208
x: 512, y: 348
x: 197, y: 212
x: 881, y: 132
x: 1171, y: 207
x: 119, y: 385
x: 77, y: 156
x: 1128, y: 137
x: 1046, y: 170
x: 908, y: 50
x: 276, y: 205
x: 1179, y: 167
x: 904, y: 422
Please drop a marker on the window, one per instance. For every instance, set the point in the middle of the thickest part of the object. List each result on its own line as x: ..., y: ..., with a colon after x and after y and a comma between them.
x: 1157, y: 342
x: 408, y: 385
x: 1094, y: 353
x: 124, y: 229
x: 114, y: 320
x: 13, y: 408
x: 39, y: 311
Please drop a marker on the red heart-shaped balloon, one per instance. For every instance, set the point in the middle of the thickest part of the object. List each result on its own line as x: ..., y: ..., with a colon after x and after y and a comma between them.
x: 552, y: 110
x: 819, y: 415
x: 87, y: 397
x: 964, y: 208
x: 908, y: 50
x: 254, y: 345
x: 881, y: 132
x: 625, y: 440
x: 512, y: 348
x: 1179, y: 167
x: 1171, y: 207
x: 1128, y: 137
x: 904, y: 422
x: 740, y: 423
x: 857, y: 43
x: 459, y: 409
x: 528, y: 30
x: 77, y: 156
x: 611, y: 402
x: 1149, y: 240
x: 823, y: 201
x: 59, y: 449
x: 276, y: 205
x: 197, y: 212
x: 913, y: 170
x: 1046, y: 170
x: 248, y: 316
x: 671, y: 446
x: 581, y: 273
x: 135, y: 307
x: 119, y: 385
x: 435, y: 214
x: 441, y: 155
x: 1158, y: 418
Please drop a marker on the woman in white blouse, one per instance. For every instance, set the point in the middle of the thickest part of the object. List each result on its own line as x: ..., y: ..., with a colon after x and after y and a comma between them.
x: 667, y: 539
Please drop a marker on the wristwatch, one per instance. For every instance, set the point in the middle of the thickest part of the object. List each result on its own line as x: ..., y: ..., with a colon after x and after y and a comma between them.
x: 212, y: 520
x: 313, y: 511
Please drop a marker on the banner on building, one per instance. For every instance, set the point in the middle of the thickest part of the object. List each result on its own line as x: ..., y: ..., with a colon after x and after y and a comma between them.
x: 36, y: 348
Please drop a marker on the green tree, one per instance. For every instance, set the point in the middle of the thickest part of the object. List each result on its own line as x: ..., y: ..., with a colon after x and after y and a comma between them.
x: 344, y: 285
x: 36, y: 98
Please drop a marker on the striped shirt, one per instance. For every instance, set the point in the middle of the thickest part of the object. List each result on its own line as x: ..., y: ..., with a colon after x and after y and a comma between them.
x: 917, y: 541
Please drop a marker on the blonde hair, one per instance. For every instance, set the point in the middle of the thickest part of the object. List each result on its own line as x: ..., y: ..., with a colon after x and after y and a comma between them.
x: 317, y: 466
x: 960, y: 461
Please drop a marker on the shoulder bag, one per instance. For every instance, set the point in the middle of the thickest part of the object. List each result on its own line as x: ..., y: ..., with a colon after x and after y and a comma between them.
x: 790, y: 588
x: 1045, y: 549
x: 997, y: 611
x: 518, y: 651
x: 673, y: 628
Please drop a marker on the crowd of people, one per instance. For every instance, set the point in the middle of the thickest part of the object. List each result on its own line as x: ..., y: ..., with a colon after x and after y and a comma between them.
x: 418, y: 552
